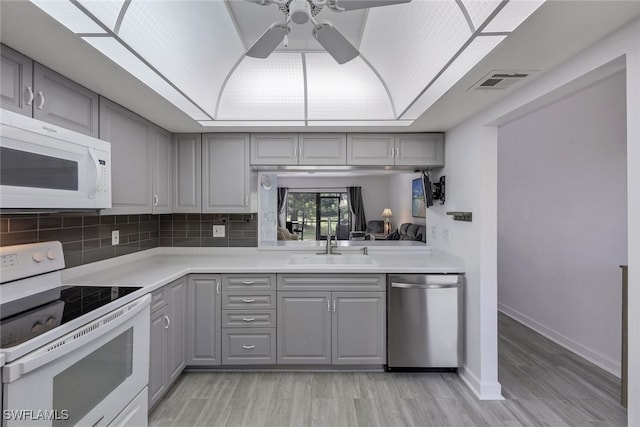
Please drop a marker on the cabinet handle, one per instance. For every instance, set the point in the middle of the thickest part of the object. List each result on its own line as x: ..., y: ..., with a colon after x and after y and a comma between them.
x: 295, y: 151
x: 249, y: 347
x: 328, y: 306
x: 248, y: 300
x: 41, y: 104
x: 334, y: 306
x: 397, y: 152
x: 248, y: 282
x: 155, y: 200
x: 248, y: 319
x: 218, y: 287
x: 393, y: 152
x: 30, y: 99
x: 246, y: 200
x: 168, y: 322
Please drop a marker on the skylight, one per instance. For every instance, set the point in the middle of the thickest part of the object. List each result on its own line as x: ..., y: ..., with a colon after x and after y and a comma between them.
x: 193, y: 54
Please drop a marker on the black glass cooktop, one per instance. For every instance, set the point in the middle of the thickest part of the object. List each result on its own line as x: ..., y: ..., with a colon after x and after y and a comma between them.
x: 31, y: 316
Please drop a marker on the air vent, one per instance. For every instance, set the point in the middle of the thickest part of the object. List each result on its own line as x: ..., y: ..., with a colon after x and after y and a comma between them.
x: 499, y: 80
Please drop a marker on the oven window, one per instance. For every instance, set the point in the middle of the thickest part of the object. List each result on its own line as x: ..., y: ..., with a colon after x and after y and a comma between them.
x: 24, y: 169
x: 79, y: 388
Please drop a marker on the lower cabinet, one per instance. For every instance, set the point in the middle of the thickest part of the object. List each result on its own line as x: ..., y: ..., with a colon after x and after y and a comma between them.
x: 167, y: 338
x: 203, y: 323
x: 346, y: 328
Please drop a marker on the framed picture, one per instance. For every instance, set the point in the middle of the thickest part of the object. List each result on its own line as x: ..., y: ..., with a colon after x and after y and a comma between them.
x: 418, y: 205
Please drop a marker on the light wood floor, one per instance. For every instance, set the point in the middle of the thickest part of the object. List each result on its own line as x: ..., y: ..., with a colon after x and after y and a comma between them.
x: 543, y: 384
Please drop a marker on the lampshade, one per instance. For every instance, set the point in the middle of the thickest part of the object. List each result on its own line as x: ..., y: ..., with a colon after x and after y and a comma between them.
x: 387, y: 213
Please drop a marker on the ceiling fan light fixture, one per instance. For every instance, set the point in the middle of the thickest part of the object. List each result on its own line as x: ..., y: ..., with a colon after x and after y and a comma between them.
x: 299, y: 11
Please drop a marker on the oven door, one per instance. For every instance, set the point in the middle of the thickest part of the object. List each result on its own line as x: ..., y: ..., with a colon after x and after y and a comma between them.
x: 48, y: 167
x: 85, y: 378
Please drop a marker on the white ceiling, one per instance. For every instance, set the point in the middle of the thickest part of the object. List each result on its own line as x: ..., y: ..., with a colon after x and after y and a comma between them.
x: 558, y: 30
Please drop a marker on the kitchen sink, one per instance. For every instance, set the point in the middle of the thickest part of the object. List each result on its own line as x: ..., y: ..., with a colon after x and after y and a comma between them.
x: 334, y: 260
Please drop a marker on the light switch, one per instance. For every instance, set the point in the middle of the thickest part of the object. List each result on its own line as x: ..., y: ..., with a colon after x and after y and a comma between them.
x: 115, y: 237
x: 218, y: 231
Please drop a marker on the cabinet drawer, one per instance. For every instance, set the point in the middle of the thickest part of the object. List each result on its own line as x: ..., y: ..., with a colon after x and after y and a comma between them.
x: 248, y: 282
x: 249, y: 319
x: 249, y: 346
x: 249, y: 300
x: 158, y: 300
x: 331, y: 282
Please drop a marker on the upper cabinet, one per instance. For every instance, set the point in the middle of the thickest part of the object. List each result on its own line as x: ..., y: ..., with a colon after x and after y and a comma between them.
x: 282, y: 149
x: 187, y: 173
x: 16, y: 90
x: 226, y: 174
x: 162, y: 166
x: 36, y: 91
x: 404, y: 149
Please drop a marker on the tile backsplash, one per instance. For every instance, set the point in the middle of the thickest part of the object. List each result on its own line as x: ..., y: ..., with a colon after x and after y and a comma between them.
x: 87, y: 238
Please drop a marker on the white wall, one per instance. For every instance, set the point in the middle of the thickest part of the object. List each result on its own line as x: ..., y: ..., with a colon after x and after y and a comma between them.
x: 471, y: 157
x: 562, y: 220
x: 375, y: 189
x: 400, y: 200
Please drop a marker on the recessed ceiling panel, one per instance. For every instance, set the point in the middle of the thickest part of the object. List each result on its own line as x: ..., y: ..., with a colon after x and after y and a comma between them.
x: 409, y: 44
x: 348, y: 91
x: 479, y: 10
x: 512, y: 15
x: 192, y: 43
x: 477, y: 50
x: 265, y: 89
x: 106, y: 11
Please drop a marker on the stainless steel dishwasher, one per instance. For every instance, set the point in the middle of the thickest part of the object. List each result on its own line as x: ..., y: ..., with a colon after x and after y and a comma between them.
x: 424, y: 329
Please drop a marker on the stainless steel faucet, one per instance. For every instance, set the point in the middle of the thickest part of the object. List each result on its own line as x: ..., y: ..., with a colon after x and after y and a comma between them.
x: 330, y: 247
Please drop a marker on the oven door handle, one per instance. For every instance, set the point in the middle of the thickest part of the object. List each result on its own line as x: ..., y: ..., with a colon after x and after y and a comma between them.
x: 73, y: 340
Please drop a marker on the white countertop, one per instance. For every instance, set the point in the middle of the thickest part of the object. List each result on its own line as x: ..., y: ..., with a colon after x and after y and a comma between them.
x: 156, y: 267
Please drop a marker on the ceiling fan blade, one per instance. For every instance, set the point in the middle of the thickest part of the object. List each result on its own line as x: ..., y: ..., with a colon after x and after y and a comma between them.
x: 334, y: 42
x: 344, y: 5
x: 269, y: 40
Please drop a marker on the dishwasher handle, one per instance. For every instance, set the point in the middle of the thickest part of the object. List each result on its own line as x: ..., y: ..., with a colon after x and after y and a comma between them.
x: 423, y: 286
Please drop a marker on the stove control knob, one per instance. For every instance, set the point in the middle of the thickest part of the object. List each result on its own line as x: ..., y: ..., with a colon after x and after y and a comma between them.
x: 51, y: 255
x: 38, y: 257
x: 37, y: 327
x: 51, y: 321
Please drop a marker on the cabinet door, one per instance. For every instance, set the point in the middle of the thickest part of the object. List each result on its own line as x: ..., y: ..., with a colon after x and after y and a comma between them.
x: 63, y: 102
x: 419, y: 149
x: 16, y: 90
x: 226, y: 173
x: 158, y: 355
x: 304, y: 328
x: 274, y: 149
x: 130, y: 139
x: 323, y: 149
x: 177, y: 344
x: 187, y: 173
x: 162, y: 167
x: 203, y: 320
x: 358, y: 328
x: 370, y: 149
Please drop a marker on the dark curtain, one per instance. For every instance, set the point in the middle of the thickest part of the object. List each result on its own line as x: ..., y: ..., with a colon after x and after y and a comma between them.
x: 282, y: 205
x: 357, y: 208
x: 428, y: 194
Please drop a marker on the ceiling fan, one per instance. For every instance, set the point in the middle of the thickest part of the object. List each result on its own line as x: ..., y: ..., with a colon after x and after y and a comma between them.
x: 303, y: 11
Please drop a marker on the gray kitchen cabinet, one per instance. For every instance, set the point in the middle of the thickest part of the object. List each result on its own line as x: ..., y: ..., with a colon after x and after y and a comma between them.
x: 358, y: 328
x: 371, y: 149
x: 162, y: 184
x: 167, y: 355
x: 60, y: 101
x: 203, y: 320
x: 187, y: 173
x: 16, y: 88
x: 158, y: 345
x: 274, y: 149
x: 131, y: 158
x: 322, y: 149
x: 304, y: 328
x: 419, y: 149
x: 226, y: 174
x: 254, y: 346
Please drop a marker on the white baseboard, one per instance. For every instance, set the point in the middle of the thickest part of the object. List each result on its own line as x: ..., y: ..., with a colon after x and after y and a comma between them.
x: 483, y: 391
x: 604, y: 362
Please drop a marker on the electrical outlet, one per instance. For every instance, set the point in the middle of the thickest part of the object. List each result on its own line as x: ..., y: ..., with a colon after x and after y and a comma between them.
x: 445, y: 234
x: 218, y: 231
x: 434, y: 232
x: 115, y: 237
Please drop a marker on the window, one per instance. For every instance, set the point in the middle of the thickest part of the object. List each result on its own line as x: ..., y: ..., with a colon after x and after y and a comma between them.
x: 310, y: 213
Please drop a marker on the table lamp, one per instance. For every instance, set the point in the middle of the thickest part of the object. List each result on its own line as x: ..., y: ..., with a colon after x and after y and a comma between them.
x: 386, y: 213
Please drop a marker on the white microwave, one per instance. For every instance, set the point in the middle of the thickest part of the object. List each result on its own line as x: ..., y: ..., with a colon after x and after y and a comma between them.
x: 46, y: 167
